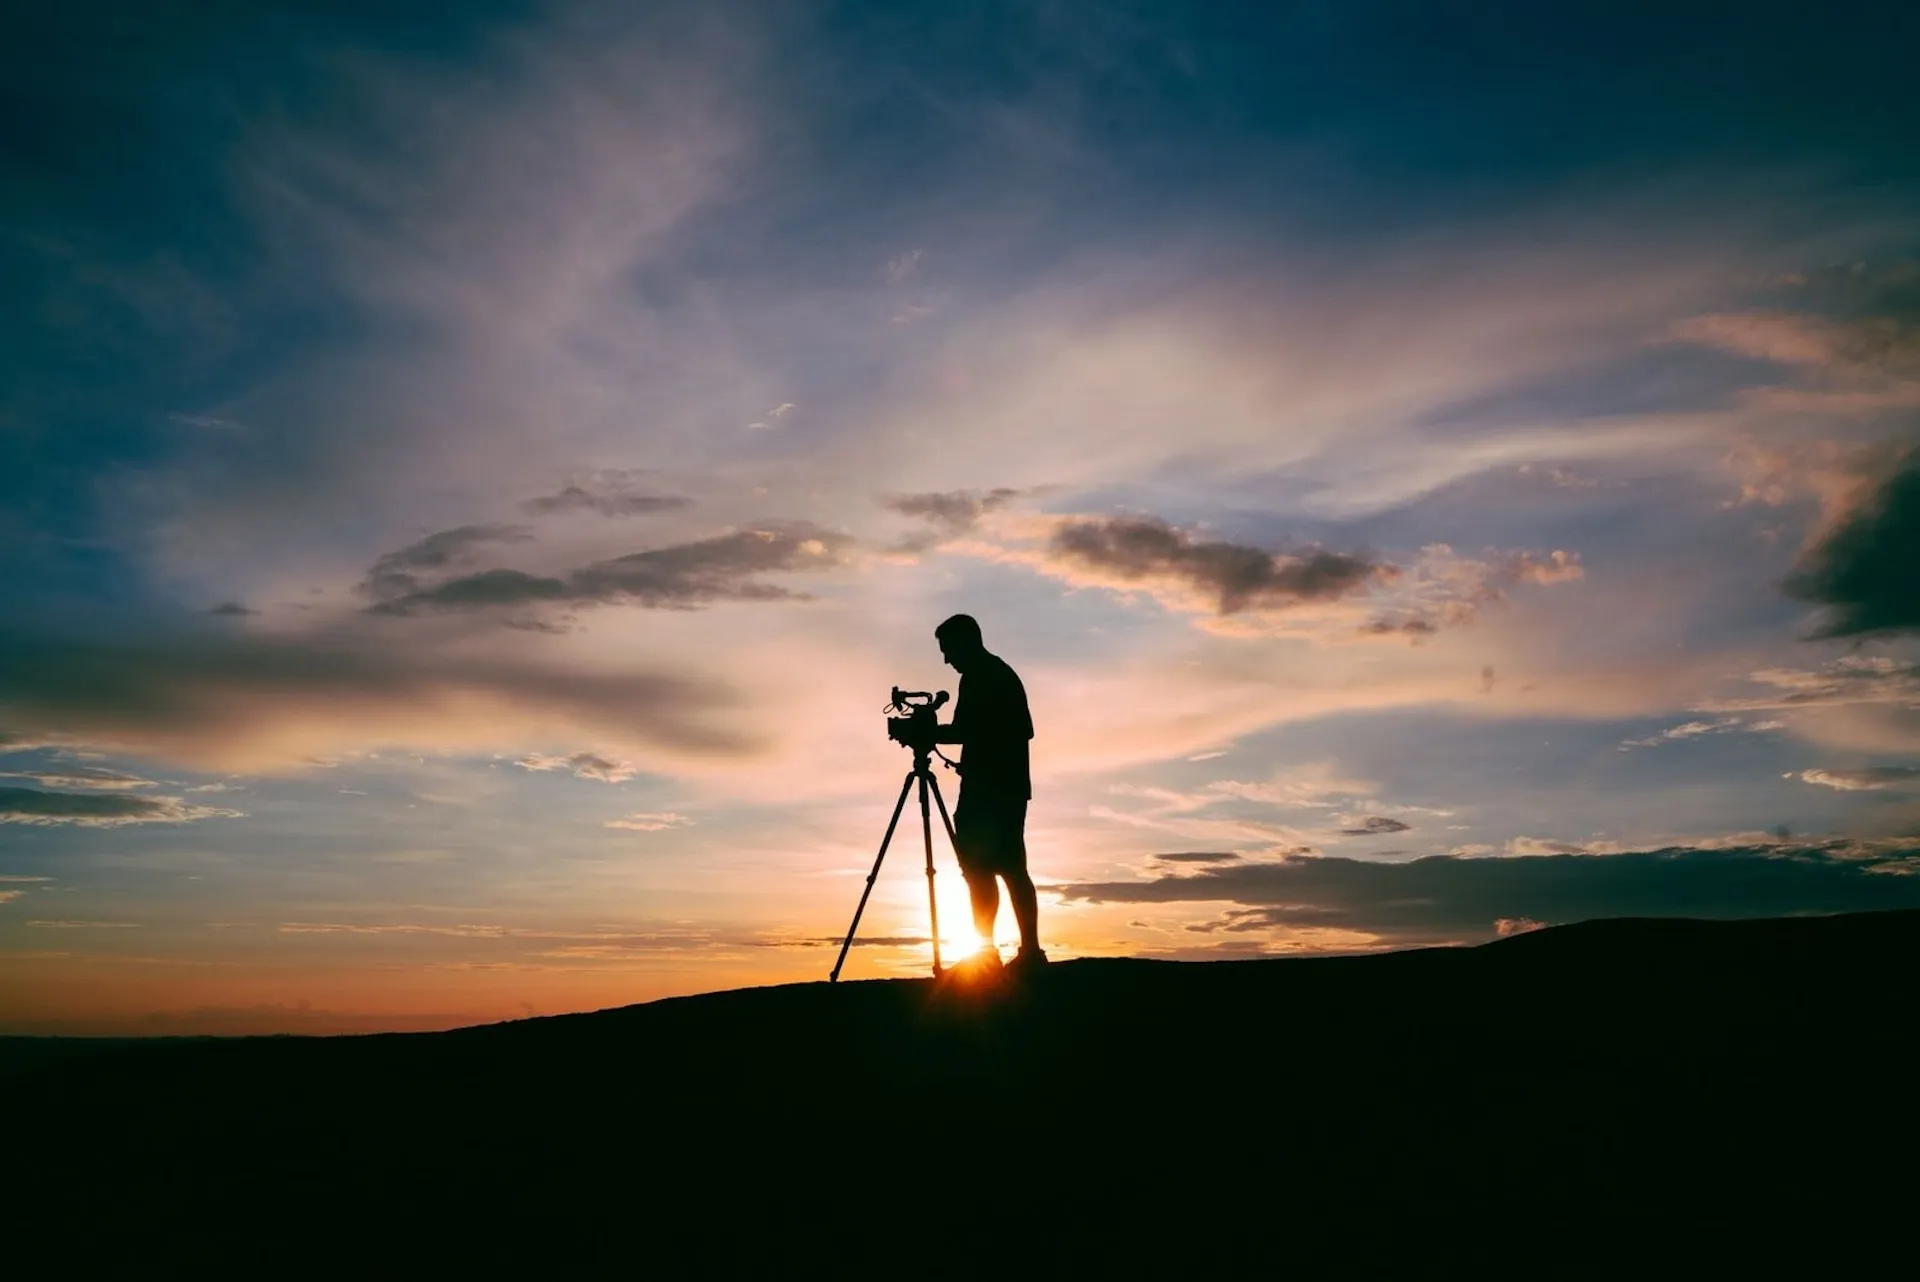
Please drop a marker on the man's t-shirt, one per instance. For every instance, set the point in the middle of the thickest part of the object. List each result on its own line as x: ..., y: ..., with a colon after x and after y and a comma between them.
x: 994, y: 725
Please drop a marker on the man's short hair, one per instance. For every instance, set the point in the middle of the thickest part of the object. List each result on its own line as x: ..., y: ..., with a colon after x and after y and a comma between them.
x: 963, y: 628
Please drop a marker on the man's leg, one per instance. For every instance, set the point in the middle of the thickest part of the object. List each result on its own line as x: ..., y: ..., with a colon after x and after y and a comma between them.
x: 1026, y: 908
x: 985, y: 893
x: 1020, y: 891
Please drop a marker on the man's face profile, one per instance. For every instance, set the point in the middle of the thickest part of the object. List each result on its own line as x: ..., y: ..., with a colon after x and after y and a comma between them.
x: 956, y: 652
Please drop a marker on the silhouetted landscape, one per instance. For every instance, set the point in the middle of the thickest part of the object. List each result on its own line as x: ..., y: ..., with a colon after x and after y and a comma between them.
x: 1595, y: 1084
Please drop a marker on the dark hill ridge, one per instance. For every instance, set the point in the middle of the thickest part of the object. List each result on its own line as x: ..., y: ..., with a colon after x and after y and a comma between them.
x: 1584, y: 1082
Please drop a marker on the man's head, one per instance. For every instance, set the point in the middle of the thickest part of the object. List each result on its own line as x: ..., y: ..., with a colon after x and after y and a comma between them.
x: 960, y: 642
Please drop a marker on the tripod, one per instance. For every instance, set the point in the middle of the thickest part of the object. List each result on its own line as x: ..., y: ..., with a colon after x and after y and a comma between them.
x: 922, y: 757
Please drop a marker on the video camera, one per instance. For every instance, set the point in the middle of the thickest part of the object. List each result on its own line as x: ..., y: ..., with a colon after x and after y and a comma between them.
x: 913, y: 718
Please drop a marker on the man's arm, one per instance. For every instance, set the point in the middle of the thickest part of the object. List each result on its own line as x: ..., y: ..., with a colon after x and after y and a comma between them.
x: 955, y: 731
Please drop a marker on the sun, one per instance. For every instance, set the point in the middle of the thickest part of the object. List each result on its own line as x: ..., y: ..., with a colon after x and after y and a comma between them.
x: 958, y: 939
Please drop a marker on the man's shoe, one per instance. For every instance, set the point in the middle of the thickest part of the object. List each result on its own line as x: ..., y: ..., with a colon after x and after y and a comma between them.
x: 1028, y: 959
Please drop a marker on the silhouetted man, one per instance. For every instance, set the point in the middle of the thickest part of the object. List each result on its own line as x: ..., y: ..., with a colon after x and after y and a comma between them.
x: 992, y: 725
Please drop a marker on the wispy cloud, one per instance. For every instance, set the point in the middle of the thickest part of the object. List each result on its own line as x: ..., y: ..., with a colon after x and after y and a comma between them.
x: 585, y: 765
x: 62, y: 924
x: 399, y: 572
x: 897, y: 269
x: 948, y: 514
x: 774, y: 418
x: 1535, y: 846
x: 100, y: 810
x: 1686, y: 730
x: 65, y: 776
x: 1853, y: 679
x: 1862, y: 779
x: 608, y: 492
x: 645, y: 821
x: 455, y: 930
x: 725, y: 567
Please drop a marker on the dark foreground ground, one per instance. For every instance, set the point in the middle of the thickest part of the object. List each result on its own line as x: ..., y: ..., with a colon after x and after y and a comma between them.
x: 1625, y: 1091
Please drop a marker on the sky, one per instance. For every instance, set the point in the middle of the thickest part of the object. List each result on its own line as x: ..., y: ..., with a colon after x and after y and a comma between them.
x: 471, y: 474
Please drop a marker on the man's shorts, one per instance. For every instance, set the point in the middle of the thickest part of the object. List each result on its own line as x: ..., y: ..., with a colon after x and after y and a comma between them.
x: 990, y: 834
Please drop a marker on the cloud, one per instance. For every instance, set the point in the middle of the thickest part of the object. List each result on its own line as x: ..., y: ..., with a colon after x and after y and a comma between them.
x: 207, y: 421
x: 1879, y: 345
x: 1853, y: 679
x: 456, y: 930
x: 1442, y: 588
x: 396, y: 574
x: 84, y: 925
x: 585, y: 765
x: 1375, y: 825
x: 679, y: 576
x: 1129, y: 552
x: 649, y: 822
x: 1524, y: 846
x: 240, y: 702
x: 231, y: 610
x: 1444, y: 898
x: 1786, y: 338
x: 1865, y: 570
x: 1245, y: 591
x: 99, y: 810
x: 1198, y: 857
x: 1688, y: 730
x: 8, y: 896
x: 949, y: 514
x: 1866, y: 779
x: 1314, y: 785
x: 897, y: 269
x: 608, y: 493
x: 774, y: 418
x: 1851, y: 350
x: 1201, y: 828
x: 79, y: 777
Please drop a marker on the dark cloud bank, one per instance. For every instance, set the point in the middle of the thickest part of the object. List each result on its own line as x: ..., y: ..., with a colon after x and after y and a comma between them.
x: 1445, y: 898
x: 1233, y: 576
x: 97, y: 810
x: 1374, y: 826
x: 199, y: 693
x: 680, y: 576
x: 1867, y: 571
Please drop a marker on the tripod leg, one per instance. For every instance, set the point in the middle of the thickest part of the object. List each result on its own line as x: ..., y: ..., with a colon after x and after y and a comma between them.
x: 892, y: 823
x: 926, y: 839
x: 945, y: 821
